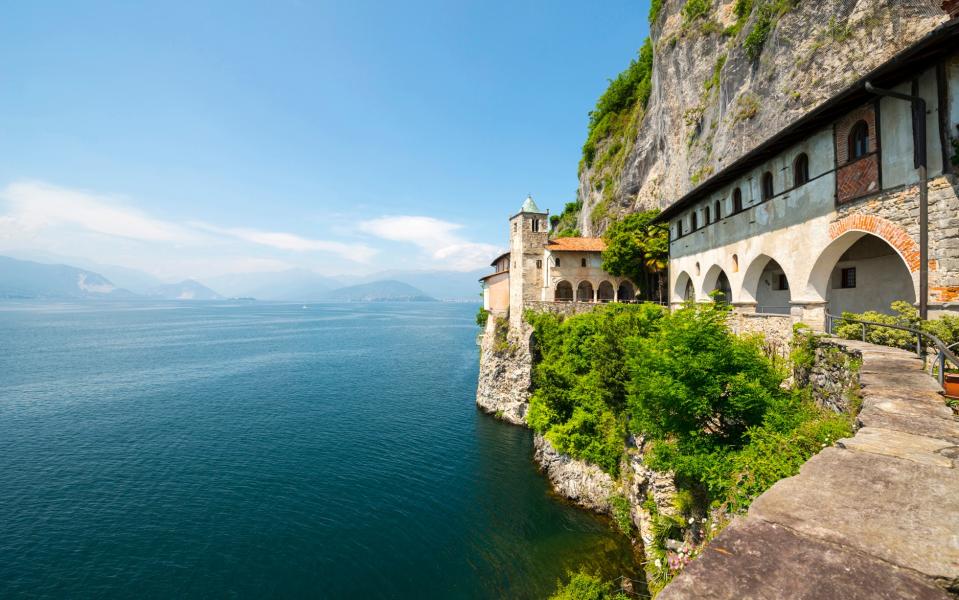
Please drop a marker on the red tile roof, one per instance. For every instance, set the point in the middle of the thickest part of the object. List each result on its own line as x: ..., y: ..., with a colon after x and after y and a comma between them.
x: 576, y: 244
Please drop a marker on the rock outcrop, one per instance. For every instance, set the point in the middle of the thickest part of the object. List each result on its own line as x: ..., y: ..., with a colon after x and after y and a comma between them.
x: 713, y: 99
x: 579, y: 481
x: 506, y: 365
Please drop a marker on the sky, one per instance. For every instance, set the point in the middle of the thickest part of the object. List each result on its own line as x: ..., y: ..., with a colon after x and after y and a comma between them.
x: 193, y: 139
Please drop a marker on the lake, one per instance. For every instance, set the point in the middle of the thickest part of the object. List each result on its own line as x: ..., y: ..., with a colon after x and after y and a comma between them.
x: 269, y: 450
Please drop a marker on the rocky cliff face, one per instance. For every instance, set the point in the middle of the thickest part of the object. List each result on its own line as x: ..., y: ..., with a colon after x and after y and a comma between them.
x: 717, y: 93
x: 506, y: 365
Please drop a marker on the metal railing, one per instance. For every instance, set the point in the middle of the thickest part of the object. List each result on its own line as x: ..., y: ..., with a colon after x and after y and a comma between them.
x: 943, y: 352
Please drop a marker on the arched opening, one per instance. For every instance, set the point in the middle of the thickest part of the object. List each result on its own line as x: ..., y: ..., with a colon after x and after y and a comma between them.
x: 766, y: 283
x: 858, y: 140
x: 801, y: 170
x: 564, y: 292
x: 717, y: 208
x: 860, y: 271
x: 707, y: 218
x: 626, y: 292
x: 735, y: 263
x: 693, y: 221
x: 584, y: 292
x: 684, y: 289
x: 604, y: 293
x: 737, y: 200
x: 768, y: 188
x: 716, y: 280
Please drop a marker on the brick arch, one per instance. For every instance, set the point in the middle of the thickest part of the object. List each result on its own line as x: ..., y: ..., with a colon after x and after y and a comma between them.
x: 891, y: 233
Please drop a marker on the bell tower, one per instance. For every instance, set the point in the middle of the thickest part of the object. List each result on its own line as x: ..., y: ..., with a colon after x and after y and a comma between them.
x: 528, y: 234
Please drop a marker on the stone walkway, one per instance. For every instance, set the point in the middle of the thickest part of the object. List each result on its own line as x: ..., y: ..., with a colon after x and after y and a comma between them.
x: 875, y: 517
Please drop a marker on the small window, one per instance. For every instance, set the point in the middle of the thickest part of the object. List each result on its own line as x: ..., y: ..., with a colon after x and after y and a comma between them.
x: 539, y: 264
x: 706, y: 216
x: 801, y: 170
x: 781, y: 282
x: 737, y: 200
x: 735, y: 263
x: 535, y: 225
x: 848, y: 278
x: 514, y: 226
x: 858, y: 140
x: 717, y: 208
x: 679, y: 229
x: 693, y: 224
x: 557, y: 261
x: 768, y: 190
x: 583, y: 262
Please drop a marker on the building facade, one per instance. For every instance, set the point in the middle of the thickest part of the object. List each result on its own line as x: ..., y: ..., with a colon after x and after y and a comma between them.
x: 539, y: 271
x: 824, y: 216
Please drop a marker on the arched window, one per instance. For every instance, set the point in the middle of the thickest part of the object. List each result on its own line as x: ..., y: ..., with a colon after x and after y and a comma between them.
x: 717, y: 208
x: 737, y: 200
x: 768, y: 189
x: 858, y: 140
x: 679, y: 229
x: 706, y: 216
x: 801, y: 170
x: 693, y: 224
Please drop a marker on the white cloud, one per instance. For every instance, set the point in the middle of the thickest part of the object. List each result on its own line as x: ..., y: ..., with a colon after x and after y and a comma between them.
x: 292, y: 242
x: 35, y: 206
x: 436, y: 237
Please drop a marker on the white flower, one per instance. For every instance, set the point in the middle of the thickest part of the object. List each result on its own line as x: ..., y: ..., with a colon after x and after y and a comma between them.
x: 659, y: 564
x: 691, y: 520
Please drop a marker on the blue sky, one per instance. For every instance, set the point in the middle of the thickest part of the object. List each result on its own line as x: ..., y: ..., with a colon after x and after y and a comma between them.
x: 193, y: 139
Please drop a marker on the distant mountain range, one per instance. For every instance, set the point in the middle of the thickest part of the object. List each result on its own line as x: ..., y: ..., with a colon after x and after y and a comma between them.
x: 28, y: 279
x: 379, y: 291
x: 31, y: 279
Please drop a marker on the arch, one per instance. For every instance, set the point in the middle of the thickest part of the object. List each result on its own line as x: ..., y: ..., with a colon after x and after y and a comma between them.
x: 735, y: 263
x: 860, y: 271
x: 684, y: 289
x: 626, y: 291
x: 801, y: 170
x: 584, y: 291
x: 766, y: 283
x: 564, y: 292
x: 858, y: 141
x: 605, y: 292
x: 769, y: 189
x: 718, y: 209
x: 693, y: 221
x: 737, y: 200
x: 716, y: 279
x: 891, y: 233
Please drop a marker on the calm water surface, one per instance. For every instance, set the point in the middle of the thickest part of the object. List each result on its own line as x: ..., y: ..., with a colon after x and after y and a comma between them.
x: 267, y: 450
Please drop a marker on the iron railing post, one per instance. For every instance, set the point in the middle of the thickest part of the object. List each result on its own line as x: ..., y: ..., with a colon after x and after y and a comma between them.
x: 863, y: 332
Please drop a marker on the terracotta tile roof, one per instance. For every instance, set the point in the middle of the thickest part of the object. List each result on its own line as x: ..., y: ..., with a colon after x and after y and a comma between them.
x: 576, y: 244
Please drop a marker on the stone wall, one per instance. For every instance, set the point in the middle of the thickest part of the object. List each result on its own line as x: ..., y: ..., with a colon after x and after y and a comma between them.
x: 900, y: 208
x: 565, y: 309
x: 831, y: 370
x: 777, y: 329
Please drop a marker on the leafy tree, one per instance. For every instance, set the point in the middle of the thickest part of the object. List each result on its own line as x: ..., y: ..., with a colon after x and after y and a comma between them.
x: 639, y: 249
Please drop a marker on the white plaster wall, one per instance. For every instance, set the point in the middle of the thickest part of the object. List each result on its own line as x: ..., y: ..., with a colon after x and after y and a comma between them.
x: 768, y: 298
x: 879, y: 282
x: 895, y: 117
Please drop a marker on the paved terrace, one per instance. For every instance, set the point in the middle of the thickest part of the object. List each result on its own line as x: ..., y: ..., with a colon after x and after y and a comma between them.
x: 875, y: 517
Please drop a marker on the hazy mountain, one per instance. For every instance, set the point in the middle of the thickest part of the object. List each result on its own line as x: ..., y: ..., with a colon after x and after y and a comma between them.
x: 446, y: 285
x: 294, y: 284
x: 379, y: 291
x: 122, y: 277
x: 188, y: 289
x: 28, y: 279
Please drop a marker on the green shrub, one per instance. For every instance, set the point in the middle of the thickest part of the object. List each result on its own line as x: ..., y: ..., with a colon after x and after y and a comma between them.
x: 695, y: 9
x: 615, y: 110
x: 655, y: 7
x: 621, y: 513
x: 584, y: 586
x: 946, y: 328
x: 482, y: 315
x: 579, y: 383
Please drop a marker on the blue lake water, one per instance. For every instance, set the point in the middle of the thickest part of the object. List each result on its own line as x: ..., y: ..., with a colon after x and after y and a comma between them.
x: 267, y: 450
